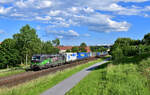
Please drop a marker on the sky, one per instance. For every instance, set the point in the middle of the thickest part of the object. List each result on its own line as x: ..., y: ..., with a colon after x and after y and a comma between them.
x: 95, y: 22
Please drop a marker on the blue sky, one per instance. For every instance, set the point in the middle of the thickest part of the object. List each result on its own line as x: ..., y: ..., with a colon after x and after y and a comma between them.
x: 95, y: 22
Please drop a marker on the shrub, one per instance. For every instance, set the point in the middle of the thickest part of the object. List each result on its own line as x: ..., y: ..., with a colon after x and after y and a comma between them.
x: 117, y: 54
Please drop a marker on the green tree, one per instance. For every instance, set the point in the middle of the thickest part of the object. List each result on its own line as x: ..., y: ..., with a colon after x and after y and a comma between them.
x: 9, y: 55
x: 146, y: 39
x: 56, y: 42
x: 75, y: 49
x: 47, y: 48
x: 27, y: 42
x: 82, y: 47
x: 68, y: 50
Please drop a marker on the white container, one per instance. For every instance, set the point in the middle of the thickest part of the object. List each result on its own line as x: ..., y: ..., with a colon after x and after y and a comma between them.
x: 70, y: 57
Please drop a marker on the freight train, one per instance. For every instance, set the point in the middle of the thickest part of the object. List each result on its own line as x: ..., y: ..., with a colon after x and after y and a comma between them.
x: 44, y: 61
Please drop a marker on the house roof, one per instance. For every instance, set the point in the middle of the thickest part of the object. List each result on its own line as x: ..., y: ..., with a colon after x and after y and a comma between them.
x: 64, y: 47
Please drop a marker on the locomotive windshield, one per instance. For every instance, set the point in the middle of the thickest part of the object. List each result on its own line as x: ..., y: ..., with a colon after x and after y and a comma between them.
x: 36, y: 59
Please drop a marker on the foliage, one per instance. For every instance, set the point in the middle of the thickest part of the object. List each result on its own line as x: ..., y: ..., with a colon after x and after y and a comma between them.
x: 82, y: 47
x: 9, y: 55
x: 117, y: 54
x: 56, y: 42
x: 146, y: 39
x: 128, y: 47
x: 47, y: 48
x: 27, y: 42
x: 99, y: 48
x: 75, y: 49
x: 68, y: 50
x: 23, y: 45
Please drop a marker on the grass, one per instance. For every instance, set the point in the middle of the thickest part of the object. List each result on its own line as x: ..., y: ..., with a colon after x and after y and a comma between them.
x: 11, y: 72
x: 37, y: 86
x: 121, y: 79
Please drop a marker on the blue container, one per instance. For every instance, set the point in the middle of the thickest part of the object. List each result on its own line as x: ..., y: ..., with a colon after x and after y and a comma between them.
x: 82, y: 55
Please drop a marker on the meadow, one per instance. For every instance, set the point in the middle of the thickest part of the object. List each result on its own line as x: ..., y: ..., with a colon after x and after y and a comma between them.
x: 37, y: 86
x: 126, y: 78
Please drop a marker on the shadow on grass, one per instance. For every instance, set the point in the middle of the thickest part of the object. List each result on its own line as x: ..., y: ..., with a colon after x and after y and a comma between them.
x: 102, y: 66
x: 133, y: 59
x: 126, y: 60
x: 105, y: 58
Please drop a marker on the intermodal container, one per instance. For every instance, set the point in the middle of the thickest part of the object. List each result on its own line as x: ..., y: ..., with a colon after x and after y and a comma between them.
x: 82, y: 55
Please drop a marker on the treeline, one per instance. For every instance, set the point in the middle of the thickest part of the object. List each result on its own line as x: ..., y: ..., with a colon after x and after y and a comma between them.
x: 99, y: 48
x: 20, y: 48
x: 83, y: 48
x: 126, y: 47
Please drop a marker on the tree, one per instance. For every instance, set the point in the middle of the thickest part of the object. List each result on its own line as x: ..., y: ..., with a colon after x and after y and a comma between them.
x: 68, y: 50
x: 56, y: 42
x: 75, y: 49
x: 27, y: 42
x: 146, y: 39
x: 83, y: 45
x: 47, y: 48
x: 9, y: 55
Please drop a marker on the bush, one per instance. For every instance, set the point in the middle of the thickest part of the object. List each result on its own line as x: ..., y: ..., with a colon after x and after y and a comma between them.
x: 117, y: 54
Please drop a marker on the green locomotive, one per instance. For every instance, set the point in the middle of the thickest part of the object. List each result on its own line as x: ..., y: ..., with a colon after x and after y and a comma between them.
x: 39, y: 62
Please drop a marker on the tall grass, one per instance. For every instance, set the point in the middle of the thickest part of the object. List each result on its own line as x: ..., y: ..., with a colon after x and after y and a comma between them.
x: 37, y: 86
x: 122, y: 79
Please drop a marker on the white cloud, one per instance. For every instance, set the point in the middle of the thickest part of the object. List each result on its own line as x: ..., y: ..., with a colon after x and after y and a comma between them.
x: 39, y: 4
x: 46, y: 18
x: 17, y: 14
x: 63, y: 34
x: 54, y: 13
x: 135, y: 0
x: 67, y: 13
x: 4, y: 10
x: 44, y: 4
x: 73, y: 33
x: 88, y: 10
x: 6, y: 1
x: 103, y: 23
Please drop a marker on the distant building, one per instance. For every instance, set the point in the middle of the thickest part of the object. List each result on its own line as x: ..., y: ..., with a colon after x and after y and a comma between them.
x: 64, y: 48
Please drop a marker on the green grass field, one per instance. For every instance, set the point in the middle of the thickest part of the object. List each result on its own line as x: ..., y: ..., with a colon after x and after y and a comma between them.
x: 9, y: 73
x: 37, y: 86
x: 121, y: 79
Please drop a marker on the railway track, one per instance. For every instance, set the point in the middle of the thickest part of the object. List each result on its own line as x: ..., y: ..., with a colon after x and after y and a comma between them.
x: 27, y: 76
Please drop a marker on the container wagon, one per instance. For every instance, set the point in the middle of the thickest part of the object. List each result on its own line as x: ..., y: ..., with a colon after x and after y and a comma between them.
x: 82, y: 55
x: 70, y: 57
